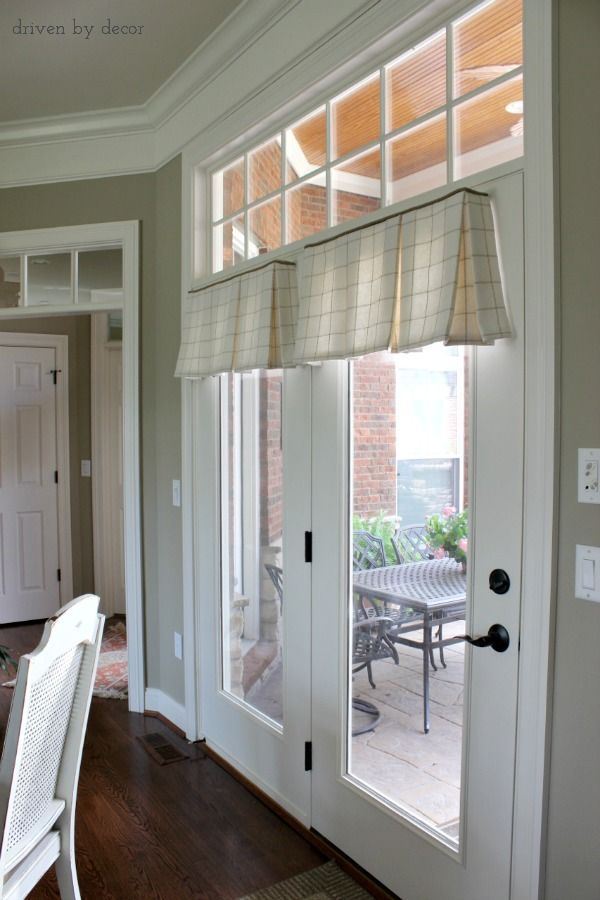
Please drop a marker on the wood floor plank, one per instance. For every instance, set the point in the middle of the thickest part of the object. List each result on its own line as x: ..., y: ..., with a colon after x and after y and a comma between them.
x: 187, y: 831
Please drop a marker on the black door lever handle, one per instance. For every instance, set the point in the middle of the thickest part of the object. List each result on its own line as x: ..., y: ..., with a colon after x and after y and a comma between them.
x: 497, y: 638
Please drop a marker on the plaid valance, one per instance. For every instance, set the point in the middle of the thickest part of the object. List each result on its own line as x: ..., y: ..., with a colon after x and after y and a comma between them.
x: 426, y: 275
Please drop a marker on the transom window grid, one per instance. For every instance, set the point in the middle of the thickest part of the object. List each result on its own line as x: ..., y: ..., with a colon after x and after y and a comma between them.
x: 242, y: 209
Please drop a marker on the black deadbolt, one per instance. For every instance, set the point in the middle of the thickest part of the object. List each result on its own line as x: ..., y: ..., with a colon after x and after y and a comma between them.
x: 499, y: 581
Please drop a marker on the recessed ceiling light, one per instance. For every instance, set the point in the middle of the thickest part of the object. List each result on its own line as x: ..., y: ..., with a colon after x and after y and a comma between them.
x: 515, y: 107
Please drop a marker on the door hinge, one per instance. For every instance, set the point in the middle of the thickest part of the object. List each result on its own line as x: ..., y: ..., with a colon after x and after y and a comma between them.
x: 56, y: 476
x: 58, y: 575
x: 308, y: 756
x: 308, y: 546
x: 54, y: 373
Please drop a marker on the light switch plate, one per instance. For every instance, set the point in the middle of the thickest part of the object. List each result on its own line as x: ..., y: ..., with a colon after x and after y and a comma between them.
x: 178, y: 645
x: 588, y: 476
x: 176, y: 492
x: 587, y: 572
x: 86, y: 468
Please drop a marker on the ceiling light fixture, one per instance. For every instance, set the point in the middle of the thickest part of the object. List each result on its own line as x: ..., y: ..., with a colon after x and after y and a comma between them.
x: 515, y: 107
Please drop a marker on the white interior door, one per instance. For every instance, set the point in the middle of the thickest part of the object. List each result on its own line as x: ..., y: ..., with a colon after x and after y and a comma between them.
x: 253, y: 581
x: 429, y: 814
x: 29, y: 556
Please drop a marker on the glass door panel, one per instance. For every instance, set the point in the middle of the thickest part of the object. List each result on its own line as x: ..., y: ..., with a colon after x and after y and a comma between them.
x: 409, y: 505
x: 252, y: 540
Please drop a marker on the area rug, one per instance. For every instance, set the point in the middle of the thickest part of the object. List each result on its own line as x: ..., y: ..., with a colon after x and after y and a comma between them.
x: 111, y: 676
x: 326, y: 882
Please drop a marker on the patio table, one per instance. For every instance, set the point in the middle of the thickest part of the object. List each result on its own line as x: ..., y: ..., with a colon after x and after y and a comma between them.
x: 422, y: 595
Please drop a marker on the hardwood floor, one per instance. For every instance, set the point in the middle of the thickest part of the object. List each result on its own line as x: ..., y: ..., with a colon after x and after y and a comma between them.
x: 186, y: 830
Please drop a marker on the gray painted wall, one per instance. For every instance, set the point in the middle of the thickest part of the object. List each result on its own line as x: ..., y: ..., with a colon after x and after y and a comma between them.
x: 77, y: 329
x: 573, y: 866
x: 154, y: 200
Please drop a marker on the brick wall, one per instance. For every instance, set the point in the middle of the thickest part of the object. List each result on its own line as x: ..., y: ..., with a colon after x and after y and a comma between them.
x: 374, y: 397
x: 271, y: 458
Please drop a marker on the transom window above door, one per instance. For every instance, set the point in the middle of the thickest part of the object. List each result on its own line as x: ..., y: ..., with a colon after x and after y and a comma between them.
x: 445, y: 108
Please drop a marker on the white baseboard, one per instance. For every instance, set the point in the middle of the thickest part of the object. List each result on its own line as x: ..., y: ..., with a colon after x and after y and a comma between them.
x: 158, y: 701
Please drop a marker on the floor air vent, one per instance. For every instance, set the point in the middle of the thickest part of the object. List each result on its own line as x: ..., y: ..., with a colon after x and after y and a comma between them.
x: 161, y: 749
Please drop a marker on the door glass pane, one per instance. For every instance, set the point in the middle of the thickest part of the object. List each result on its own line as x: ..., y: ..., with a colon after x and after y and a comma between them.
x: 264, y: 170
x: 228, y: 190
x: 306, y: 145
x: 228, y: 244
x: 306, y: 209
x: 417, y: 160
x: 10, y: 281
x: 251, y: 539
x: 416, y: 82
x: 100, y: 276
x: 488, y: 43
x: 265, y: 227
x: 356, y: 186
x: 489, y: 129
x: 49, y: 279
x: 409, y: 550
x: 355, y: 117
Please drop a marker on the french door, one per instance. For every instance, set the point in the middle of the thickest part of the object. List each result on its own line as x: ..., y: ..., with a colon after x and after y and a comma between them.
x: 429, y: 813
x: 418, y: 790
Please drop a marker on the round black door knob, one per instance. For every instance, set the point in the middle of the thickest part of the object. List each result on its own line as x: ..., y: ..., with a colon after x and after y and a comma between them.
x: 499, y: 581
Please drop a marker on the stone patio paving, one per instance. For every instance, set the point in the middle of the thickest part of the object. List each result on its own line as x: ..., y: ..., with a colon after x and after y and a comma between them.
x: 420, y: 772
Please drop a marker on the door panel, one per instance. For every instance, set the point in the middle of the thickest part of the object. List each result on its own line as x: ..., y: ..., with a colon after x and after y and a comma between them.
x: 28, y: 492
x: 255, y: 636
x: 377, y: 815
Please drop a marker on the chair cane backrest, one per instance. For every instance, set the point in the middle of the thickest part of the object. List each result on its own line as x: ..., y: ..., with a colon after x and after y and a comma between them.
x: 410, y: 544
x: 45, y: 733
x: 367, y: 551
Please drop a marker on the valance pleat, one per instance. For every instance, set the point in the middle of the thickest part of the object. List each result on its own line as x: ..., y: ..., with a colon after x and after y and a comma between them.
x: 348, y: 294
x: 429, y: 274
x: 244, y: 322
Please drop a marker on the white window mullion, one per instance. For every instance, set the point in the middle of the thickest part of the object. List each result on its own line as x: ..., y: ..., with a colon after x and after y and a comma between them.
x: 449, y: 113
x: 382, y: 131
x: 329, y: 155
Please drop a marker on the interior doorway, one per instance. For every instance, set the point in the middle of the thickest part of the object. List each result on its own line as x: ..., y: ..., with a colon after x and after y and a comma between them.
x: 73, y: 273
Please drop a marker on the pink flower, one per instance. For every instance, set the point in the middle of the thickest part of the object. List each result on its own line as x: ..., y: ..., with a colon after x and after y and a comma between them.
x: 462, y: 544
x: 439, y: 553
x: 448, y: 511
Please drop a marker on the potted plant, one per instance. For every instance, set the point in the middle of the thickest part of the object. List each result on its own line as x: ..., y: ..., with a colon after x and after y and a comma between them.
x: 446, y: 534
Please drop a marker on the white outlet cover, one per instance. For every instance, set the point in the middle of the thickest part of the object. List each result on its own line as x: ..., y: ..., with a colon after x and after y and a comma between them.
x: 588, y: 472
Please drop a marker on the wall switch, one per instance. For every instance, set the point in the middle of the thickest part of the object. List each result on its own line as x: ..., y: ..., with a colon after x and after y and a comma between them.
x: 176, y: 492
x: 86, y: 468
x: 178, y: 645
x: 588, y: 477
x: 587, y: 572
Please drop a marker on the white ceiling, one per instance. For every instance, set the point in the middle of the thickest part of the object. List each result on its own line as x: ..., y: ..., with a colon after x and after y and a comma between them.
x: 53, y: 74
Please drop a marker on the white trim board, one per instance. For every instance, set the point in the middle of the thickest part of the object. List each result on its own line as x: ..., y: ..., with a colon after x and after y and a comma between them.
x: 126, y: 235
x: 159, y: 702
x: 60, y: 344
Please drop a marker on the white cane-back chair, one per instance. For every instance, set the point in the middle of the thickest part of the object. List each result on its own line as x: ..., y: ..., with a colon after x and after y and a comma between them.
x: 40, y: 763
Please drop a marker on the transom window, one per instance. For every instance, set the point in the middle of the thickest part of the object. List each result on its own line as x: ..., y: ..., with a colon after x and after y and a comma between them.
x: 447, y: 108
